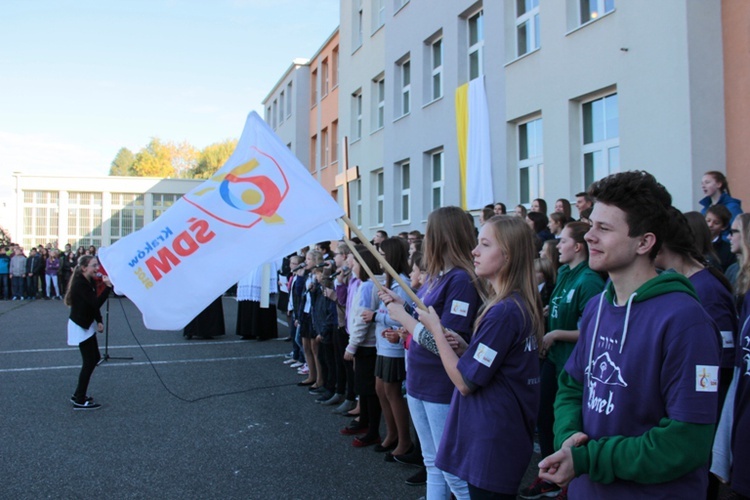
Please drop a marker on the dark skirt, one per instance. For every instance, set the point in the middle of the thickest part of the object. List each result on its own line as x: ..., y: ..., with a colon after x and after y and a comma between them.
x: 209, y: 323
x: 255, y: 322
x: 390, y: 370
x: 364, y: 371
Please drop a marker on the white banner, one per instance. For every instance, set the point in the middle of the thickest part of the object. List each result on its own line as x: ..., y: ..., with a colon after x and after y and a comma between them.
x: 261, y: 205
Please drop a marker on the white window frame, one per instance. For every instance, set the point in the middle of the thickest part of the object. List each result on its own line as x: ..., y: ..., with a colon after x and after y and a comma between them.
x: 404, y: 74
x: 324, y: 151
x: 314, y: 87
x: 379, y: 198
x: 281, y: 107
x: 41, y: 220
x: 532, y: 161
x: 478, y: 46
x: 528, y: 20
x: 358, y: 204
x: 436, y: 185
x: 436, y: 68
x: 379, y: 105
x: 357, y: 115
x: 335, y: 143
x: 125, y: 207
x: 324, y: 78
x: 358, y: 25
x: 378, y: 14
x: 335, y: 67
x: 602, y: 7
x: 608, y: 147
x: 403, y: 170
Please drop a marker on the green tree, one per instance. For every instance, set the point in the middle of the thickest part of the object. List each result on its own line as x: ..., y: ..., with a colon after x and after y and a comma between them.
x: 155, y: 160
x: 212, y: 158
x: 123, y: 163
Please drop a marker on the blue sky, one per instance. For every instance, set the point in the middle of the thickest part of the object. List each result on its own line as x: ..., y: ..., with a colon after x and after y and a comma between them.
x: 81, y: 79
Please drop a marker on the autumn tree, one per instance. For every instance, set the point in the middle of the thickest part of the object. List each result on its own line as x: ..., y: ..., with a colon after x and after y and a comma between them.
x: 212, y: 158
x: 123, y: 163
x: 4, y: 237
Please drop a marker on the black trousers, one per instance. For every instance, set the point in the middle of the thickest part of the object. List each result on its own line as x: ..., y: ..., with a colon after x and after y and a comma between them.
x: 90, y: 355
x: 344, y: 369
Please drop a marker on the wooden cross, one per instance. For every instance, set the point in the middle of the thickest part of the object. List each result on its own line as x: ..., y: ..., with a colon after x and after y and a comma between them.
x: 345, y: 177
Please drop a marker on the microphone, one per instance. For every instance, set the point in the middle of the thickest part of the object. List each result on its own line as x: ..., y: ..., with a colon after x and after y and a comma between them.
x: 322, y: 264
x: 344, y: 270
x: 300, y: 266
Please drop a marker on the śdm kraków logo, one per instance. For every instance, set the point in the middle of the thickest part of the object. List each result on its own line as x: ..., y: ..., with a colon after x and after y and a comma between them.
x: 247, y: 194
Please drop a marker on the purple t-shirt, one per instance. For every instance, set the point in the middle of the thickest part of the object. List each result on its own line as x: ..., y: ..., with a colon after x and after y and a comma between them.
x: 719, y: 304
x: 741, y: 425
x: 456, y: 301
x: 665, y: 366
x: 488, y: 436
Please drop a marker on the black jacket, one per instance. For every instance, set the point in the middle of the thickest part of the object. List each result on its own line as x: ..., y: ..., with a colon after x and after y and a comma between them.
x: 84, y: 304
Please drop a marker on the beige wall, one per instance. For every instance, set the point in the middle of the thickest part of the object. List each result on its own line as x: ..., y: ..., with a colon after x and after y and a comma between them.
x: 736, y: 38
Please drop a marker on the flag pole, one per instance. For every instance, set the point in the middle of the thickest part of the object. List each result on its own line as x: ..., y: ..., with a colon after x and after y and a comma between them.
x: 382, y: 261
x: 362, y: 263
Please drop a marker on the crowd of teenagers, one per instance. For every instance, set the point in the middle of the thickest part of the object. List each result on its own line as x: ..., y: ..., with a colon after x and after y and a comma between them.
x: 619, y: 340
x: 43, y: 273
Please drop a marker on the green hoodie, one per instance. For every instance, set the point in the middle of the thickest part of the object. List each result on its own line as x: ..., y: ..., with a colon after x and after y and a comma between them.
x: 664, y: 453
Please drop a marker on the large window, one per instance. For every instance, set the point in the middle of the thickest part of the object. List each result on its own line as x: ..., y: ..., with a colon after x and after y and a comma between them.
x: 593, y: 9
x: 357, y: 115
x: 404, y: 69
x: 527, y: 26
x: 436, y: 69
x: 379, y: 105
x: 476, y: 45
x: 379, y: 198
x: 601, y: 138
x: 437, y: 179
x: 162, y: 202
x: 127, y: 215
x: 41, y: 217
x: 530, y: 161
x: 404, y: 174
x: 85, y: 218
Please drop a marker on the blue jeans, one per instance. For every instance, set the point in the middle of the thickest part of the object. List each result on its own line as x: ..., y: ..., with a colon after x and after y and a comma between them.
x: 18, y: 286
x: 5, y: 286
x: 429, y: 422
x: 298, y: 352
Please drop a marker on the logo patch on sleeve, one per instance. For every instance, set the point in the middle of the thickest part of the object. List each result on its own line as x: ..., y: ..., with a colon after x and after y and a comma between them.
x: 727, y: 339
x: 485, y: 355
x: 460, y: 308
x: 706, y: 378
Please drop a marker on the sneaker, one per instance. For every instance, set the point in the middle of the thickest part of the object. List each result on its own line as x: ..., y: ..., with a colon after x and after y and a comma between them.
x: 563, y: 495
x: 345, y: 407
x: 73, y: 399
x: 88, y: 405
x: 289, y: 361
x: 539, y: 489
x: 296, y: 364
x: 418, y: 479
x: 289, y: 355
x: 304, y: 370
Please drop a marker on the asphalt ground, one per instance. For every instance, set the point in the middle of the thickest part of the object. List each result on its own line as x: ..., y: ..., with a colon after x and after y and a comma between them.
x: 204, y: 419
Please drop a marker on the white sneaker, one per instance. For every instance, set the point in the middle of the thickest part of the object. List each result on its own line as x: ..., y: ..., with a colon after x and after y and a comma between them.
x: 289, y: 361
x: 304, y: 370
x: 296, y: 364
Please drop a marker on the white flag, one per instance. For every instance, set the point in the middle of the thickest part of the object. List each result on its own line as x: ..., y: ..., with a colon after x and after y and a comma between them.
x: 261, y: 205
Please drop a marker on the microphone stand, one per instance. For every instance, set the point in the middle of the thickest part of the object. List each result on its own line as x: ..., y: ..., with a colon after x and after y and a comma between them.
x: 106, y: 356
